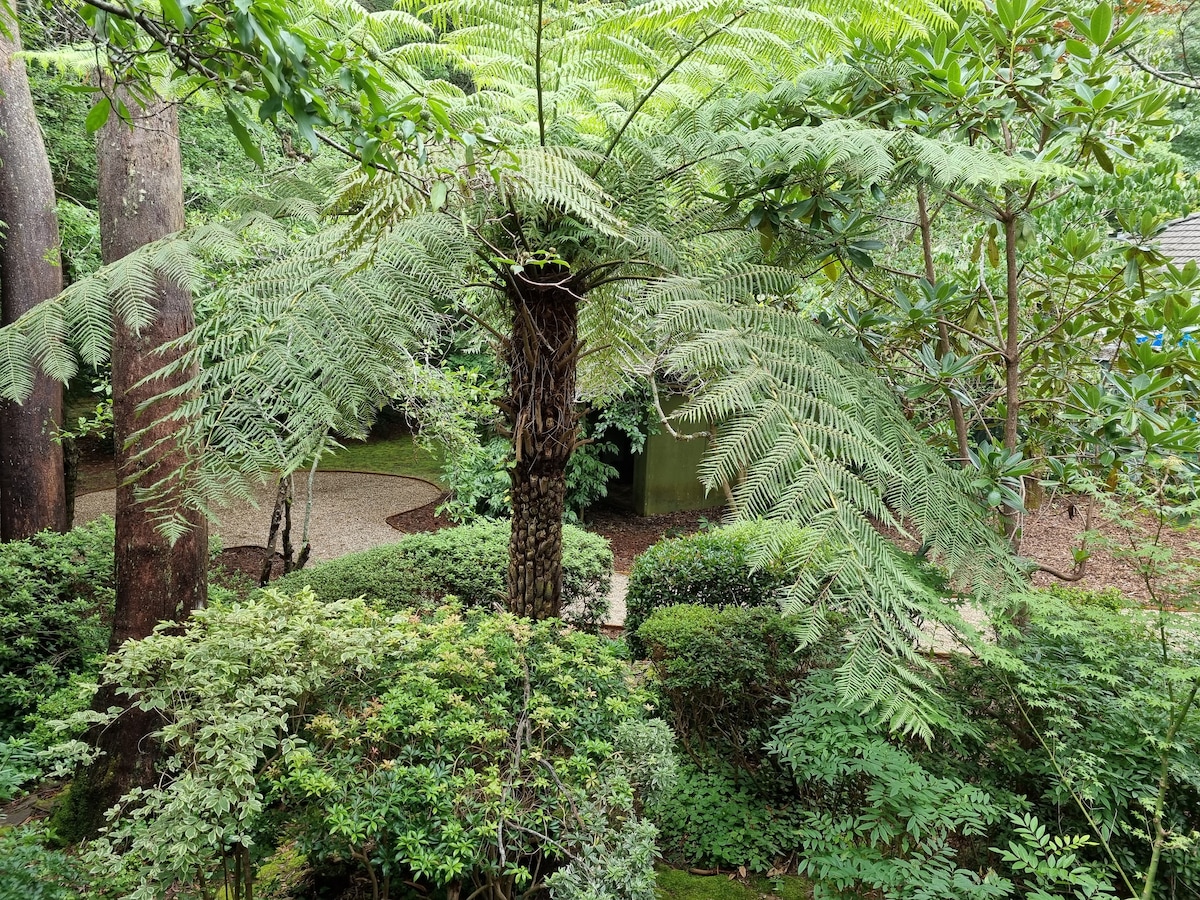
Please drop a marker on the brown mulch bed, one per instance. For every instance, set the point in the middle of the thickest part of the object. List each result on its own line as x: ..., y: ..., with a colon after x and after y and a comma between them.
x: 248, y: 562
x: 423, y: 518
x: 1051, y: 532
x: 630, y: 535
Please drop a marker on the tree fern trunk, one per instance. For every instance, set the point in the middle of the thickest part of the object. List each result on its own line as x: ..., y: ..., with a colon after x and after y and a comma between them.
x: 542, y: 359
x: 32, y: 492
x: 141, y: 200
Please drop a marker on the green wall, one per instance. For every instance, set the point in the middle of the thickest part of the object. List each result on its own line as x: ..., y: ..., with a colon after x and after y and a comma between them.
x: 664, y: 474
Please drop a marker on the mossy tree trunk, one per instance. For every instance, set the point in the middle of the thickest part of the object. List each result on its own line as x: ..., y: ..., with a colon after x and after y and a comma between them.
x: 141, y: 200
x: 542, y: 355
x: 32, y: 483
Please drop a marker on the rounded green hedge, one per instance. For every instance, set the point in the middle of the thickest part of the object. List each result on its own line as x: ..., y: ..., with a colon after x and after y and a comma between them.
x: 709, y: 568
x: 469, y: 562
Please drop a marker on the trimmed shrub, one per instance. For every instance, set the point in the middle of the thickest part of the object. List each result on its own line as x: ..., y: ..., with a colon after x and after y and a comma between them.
x: 56, y: 602
x: 718, y: 673
x: 709, y: 568
x: 468, y: 562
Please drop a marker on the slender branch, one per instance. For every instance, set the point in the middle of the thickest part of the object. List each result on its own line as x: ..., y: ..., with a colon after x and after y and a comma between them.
x: 537, y: 74
x: 901, y: 273
x: 974, y: 207
x: 956, y: 411
x: 614, y: 278
x: 992, y: 345
x: 156, y: 31
x: 662, y: 416
x: 645, y: 98
x: 1177, y: 78
x: 1083, y: 808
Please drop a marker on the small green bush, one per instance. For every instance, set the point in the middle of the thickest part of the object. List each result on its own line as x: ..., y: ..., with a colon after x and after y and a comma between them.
x: 725, y: 816
x: 56, y: 601
x: 30, y: 870
x: 468, y: 562
x: 709, y: 568
x: 719, y: 672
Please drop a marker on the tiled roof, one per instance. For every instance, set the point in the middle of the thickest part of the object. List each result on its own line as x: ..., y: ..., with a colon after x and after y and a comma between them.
x: 1180, y: 240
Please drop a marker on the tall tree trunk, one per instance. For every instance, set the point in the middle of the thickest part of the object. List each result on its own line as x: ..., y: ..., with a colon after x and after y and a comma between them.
x: 956, y: 410
x: 141, y: 200
x: 542, y: 358
x: 32, y: 483
x: 1012, y: 357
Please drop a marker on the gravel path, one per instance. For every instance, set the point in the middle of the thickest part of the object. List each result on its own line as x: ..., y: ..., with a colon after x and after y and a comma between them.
x: 349, y: 510
x: 616, y: 599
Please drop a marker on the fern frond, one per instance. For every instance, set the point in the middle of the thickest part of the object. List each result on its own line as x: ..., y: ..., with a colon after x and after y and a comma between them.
x: 803, y: 434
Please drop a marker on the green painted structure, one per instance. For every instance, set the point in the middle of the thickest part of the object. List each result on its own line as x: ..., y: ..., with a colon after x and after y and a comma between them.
x: 664, y: 474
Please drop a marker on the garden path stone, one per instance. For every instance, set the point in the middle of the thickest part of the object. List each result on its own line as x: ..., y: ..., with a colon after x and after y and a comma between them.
x: 349, y: 512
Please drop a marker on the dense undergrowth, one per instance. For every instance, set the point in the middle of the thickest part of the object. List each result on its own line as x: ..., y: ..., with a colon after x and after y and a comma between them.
x: 399, y: 747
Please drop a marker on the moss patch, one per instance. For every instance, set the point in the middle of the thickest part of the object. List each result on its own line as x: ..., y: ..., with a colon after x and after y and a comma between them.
x: 674, y: 884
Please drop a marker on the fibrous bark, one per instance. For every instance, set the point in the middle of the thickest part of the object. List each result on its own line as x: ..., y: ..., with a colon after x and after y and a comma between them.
x: 141, y: 200
x: 32, y: 485
x: 542, y: 356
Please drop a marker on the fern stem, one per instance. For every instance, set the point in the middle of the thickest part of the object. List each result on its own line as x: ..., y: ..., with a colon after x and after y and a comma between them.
x: 1087, y: 813
x: 537, y: 74
x: 645, y: 98
x: 1160, y: 800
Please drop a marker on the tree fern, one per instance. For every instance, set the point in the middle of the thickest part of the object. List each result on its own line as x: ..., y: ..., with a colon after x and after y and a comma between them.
x: 605, y: 161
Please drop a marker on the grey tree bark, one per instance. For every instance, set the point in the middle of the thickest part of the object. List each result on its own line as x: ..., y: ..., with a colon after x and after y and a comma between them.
x: 32, y: 484
x: 141, y: 200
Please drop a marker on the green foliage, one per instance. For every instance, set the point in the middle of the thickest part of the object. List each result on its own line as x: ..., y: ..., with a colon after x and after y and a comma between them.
x: 30, y: 870
x: 479, y: 473
x: 1043, y: 778
x: 723, y: 816
x: 1085, y: 724
x: 467, y: 726
x: 808, y: 437
x: 630, y: 142
x: 606, y: 872
x: 231, y: 688
x: 449, y: 748
x: 1049, y: 863
x: 468, y: 562
x: 674, y: 884
x: 720, y: 673
x: 18, y: 766
x: 479, y: 481
x: 713, y: 567
x: 1069, y: 243
x: 79, y: 230
x: 56, y: 598
x: 874, y: 816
